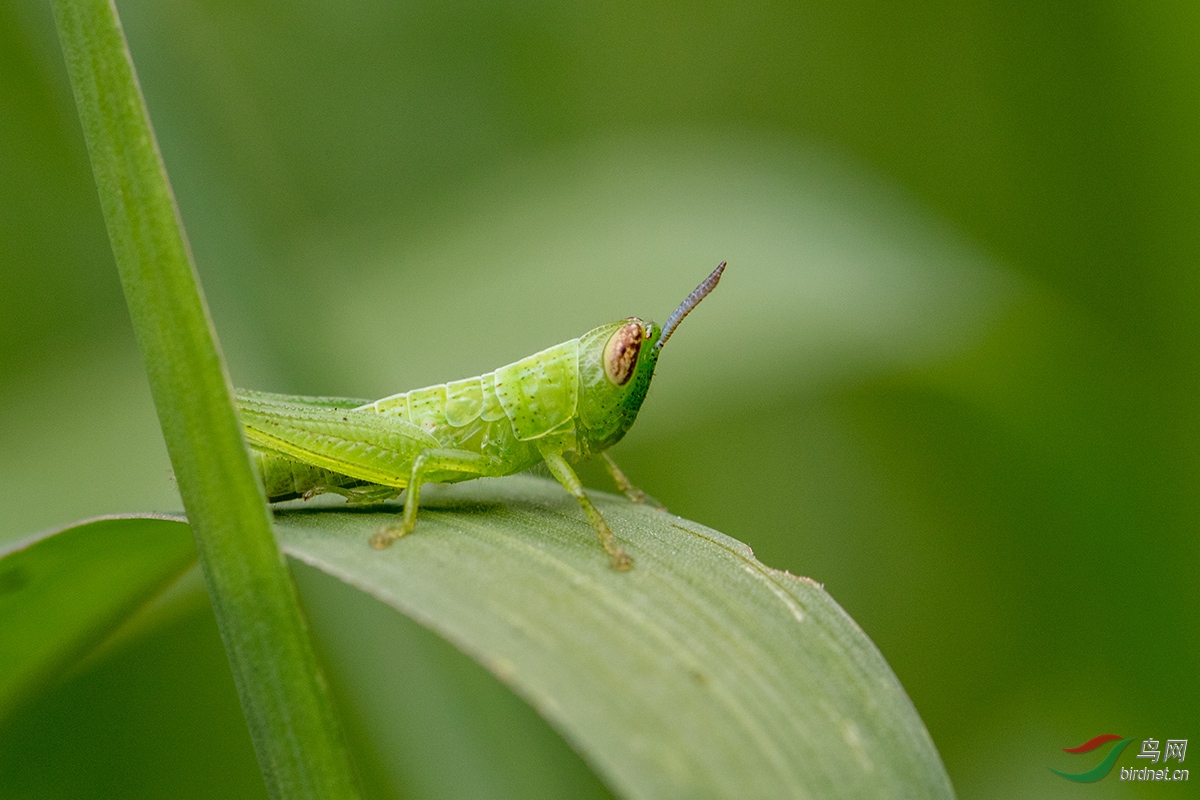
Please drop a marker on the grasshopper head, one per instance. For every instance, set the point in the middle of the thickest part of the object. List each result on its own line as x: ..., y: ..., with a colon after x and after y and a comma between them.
x: 616, y: 365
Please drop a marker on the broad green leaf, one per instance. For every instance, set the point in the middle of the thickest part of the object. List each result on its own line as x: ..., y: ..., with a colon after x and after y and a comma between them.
x: 63, y: 593
x: 425, y: 720
x: 700, y: 673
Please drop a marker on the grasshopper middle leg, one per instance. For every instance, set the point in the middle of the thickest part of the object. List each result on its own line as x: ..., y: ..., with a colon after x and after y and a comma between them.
x: 562, y: 471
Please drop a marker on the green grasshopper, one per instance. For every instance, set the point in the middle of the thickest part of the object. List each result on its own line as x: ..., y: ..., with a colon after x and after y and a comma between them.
x: 572, y: 400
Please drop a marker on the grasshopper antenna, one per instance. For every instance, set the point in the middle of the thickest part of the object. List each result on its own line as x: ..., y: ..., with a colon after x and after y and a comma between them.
x: 692, y: 300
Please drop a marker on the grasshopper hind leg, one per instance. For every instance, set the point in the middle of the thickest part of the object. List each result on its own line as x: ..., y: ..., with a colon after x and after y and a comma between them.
x: 470, y: 464
x: 362, y: 495
x: 286, y: 478
x: 370, y: 494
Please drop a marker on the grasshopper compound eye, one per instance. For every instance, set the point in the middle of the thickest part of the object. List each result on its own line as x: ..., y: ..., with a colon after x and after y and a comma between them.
x: 621, y: 352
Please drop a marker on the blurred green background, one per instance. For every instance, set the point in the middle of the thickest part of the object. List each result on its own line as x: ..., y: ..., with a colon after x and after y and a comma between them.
x: 952, y: 371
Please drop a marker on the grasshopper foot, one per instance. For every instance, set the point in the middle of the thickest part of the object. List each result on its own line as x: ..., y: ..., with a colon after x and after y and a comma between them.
x: 620, y: 560
x: 388, y: 534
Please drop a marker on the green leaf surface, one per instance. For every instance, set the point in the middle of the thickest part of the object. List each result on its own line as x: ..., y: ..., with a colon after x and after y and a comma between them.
x: 61, y: 594
x: 700, y: 673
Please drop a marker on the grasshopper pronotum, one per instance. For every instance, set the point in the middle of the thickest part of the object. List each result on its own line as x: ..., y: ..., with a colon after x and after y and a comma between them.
x: 572, y: 400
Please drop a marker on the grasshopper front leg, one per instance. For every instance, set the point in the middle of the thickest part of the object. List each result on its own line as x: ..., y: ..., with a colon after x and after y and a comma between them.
x: 562, y: 471
x: 623, y: 483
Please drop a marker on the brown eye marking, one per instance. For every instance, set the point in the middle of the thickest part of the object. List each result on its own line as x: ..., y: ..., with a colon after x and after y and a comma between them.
x: 621, y: 353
